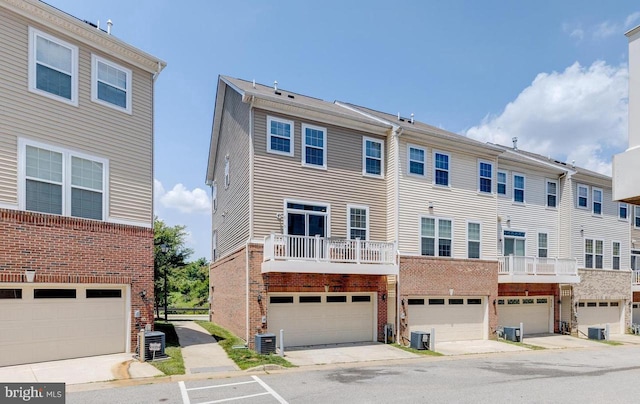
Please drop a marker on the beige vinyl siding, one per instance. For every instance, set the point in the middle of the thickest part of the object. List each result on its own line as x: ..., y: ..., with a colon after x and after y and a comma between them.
x: 278, y: 177
x: 8, y: 166
x: 606, y: 227
x: 125, y: 140
x: 233, y: 202
x: 392, y: 181
x: 565, y: 218
x: 533, y: 216
x: 461, y: 202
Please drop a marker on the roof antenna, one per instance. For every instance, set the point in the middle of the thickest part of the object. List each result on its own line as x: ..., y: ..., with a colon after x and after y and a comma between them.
x: 515, y: 142
x: 109, y: 25
x: 412, y: 118
x: 275, y: 85
x: 254, y: 83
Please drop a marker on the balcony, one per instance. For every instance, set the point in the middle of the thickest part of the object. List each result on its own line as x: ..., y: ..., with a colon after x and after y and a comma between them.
x: 514, y: 269
x: 315, y: 254
x: 635, y: 280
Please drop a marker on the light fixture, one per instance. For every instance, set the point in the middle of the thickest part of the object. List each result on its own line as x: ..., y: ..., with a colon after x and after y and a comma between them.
x: 508, y: 221
x: 143, y: 294
x: 526, y: 293
x: 430, y: 205
x: 384, y: 297
x: 30, y: 274
x: 450, y: 292
x: 259, y: 297
x: 494, y: 302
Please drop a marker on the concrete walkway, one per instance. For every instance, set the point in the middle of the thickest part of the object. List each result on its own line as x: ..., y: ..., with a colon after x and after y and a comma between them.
x: 200, y: 351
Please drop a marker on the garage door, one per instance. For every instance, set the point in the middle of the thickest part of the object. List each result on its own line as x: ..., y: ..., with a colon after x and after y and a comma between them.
x: 42, y: 323
x: 322, y: 318
x: 454, y: 319
x: 598, y: 313
x: 636, y: 313
x: 534, y: 312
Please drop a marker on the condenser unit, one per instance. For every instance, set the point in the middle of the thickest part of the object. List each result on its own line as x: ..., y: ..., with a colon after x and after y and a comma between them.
x: 420, y: 340
x: 265, y: 343
x: 154, y: 345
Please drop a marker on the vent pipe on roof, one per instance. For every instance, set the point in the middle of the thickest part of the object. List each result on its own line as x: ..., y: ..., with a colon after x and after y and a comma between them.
x: 573, y: 164
x: 109, y: 25
x: 398, y: 115
x: 254, y: 83
x: 412, y: 118
x: 515, y: 142
x: 275, y: 85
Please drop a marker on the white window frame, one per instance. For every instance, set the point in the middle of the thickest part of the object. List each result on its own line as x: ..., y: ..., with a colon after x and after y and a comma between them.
x: 33, y: 34
x: 479, y: 241
x: 594, y: 202
x: 634, y: 257
x: 585, y: 187
x: 409, y: 160
x: 524, y: 187
x: 269, y: 135
x: 506, y: 180
x: 515, y: 238
x: 436, y: 235
x: 366, y: 139
x: 480, y: 177
x: 95, y: 59
x: 539, y: 247
x: 227, y: 174
x: 636, y: 217
x: 366, y: 209
x: 624, y: 205
x: 547, y: 194
x: 448, y: 170
x: 594, y: 254
x: 288, y: 210
x: 613, y: 256
x: 305, y: 145
x: 66, y: 176
x: 214, y: 196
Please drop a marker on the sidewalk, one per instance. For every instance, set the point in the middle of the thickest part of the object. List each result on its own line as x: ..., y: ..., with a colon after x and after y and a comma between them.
x: 200, y: 351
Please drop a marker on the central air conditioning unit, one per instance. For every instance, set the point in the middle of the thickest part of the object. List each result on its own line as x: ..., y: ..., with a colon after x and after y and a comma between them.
x: 512, y: 334
x: 596, y: 333
x: 420, y: 340
x: 265, y: 343
x: 152, y: 344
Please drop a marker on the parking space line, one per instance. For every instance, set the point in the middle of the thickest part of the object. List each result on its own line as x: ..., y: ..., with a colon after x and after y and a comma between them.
x: 234, y: 398
x: 220, y: 385
x: 270, y: 390
x: 183, y: 393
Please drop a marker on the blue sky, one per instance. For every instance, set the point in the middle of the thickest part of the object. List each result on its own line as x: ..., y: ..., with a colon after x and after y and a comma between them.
x: 553, y: 73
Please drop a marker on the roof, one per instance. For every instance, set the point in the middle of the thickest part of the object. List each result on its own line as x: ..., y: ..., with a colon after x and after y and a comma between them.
x: 83, y: 32
x: 632, y: 31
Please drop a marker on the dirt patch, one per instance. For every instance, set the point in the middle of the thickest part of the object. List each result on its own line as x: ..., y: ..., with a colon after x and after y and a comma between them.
x: 121, y: 370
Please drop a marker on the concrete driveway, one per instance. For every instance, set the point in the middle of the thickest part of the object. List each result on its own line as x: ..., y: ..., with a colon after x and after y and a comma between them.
x: 475, y: 347
x: 560, y: 341
x: 344, y: 353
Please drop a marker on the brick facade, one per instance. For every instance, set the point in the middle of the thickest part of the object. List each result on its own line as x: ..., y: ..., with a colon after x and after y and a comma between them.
x: 72, y: 250
x: 636, y: 296
x: 229, y: 302
x: 427, y: 276
x: 601, y: 284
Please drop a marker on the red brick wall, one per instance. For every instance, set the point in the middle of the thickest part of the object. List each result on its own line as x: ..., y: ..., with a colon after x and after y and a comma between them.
x: 636, y: 296
x: 427, y: 276
x: 72, y: 250
x: 228, y: 280
x: 535, y: 289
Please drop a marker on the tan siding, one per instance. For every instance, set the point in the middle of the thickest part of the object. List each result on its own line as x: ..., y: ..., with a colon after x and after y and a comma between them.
x: 233, y: 202
x: 392, y: 181
x: 280, y: 177
x: 461, y: 202
x: 8, y: 168
x: 565, y: 208
x: 125, y: 140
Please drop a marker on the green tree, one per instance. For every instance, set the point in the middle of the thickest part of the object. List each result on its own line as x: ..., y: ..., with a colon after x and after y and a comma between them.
x: 170, y: 254
x: 189, y: 287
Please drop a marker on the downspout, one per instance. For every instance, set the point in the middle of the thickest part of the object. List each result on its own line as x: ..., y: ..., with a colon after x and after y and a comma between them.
x: 246, y: 250
x: 250, y: 214
x: 396, y: 132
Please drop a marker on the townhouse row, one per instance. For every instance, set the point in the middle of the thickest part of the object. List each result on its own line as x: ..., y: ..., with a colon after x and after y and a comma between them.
x: 338, y: 223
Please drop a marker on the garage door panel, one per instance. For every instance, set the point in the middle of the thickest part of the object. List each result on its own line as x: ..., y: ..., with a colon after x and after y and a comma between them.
x: 599, y: 316
x: 452, y: 322
x: 535, y: 316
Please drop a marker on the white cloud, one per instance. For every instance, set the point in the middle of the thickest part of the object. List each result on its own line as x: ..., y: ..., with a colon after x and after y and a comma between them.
x: 182, y: 199
x: 630, y: 21
x: 579, y: 114
x: 602, y: 30
x: 574, y: 30
x: 606, y: 29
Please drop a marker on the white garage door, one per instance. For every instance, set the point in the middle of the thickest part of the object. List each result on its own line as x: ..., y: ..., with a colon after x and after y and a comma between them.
x: 533, y: 311
x: 598, y: 313
x: 454, y: 319
x: 636, y: 313
x: 322, y: 318
x: 42, y: 323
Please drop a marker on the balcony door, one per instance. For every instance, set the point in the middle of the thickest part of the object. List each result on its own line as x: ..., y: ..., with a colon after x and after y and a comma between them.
x: 304, y: 222
x: 514, y: 243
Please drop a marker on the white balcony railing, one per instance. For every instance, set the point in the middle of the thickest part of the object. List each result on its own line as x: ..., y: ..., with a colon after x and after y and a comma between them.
x: 321, y: 249
x: 513, y: 265
x: 635, y: 277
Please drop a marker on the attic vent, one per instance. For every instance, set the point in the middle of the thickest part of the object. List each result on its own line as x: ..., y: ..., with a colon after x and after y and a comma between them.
x: 515, y: 142
x: 290, y: 96
x: 278, y: 93
x: 403, y: 119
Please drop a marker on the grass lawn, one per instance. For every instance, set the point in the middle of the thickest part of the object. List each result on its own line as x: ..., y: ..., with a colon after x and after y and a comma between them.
x: 522, y: 344
x: 243, y: 357
x: 174, y: 365
x: 417, y: 351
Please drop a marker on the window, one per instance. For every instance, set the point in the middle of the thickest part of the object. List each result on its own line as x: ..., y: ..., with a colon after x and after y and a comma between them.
x: 441, y: 169
x: 514, y: 242
x: 456, y: 301
x: 485, y: 176
x: 615, y: 255
x: 518, y: 188
x: 279, y: 136
x: 436, y: 302
x: 474, y: 301
x: 227, y: 177
x: 552, y: 193
x: 110, y: 84
x: 214, y: 196
x: 54, y: 293
x: 436, y: 237
x: 597, y: 201
x: 62, y: 182
x: 593, y: 253
x: 502, y: 183
x: 336, y: 299
x: 623, y: 211
x: 314, y: 146
x: 635, y: 260
x: 103, y: 293
x: 310, y: 299
x: 417, y: 160
x: 473, y: 240
x: 372, y: 151
x: 543, y: 245
x: 636, y: 215
x: 53, y: 67
x: 10, y: 293
x: 415, y: 302
x: 280, y: 299
x: 583, y: 196
x: 358, y: 225
x: 360, y: 299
